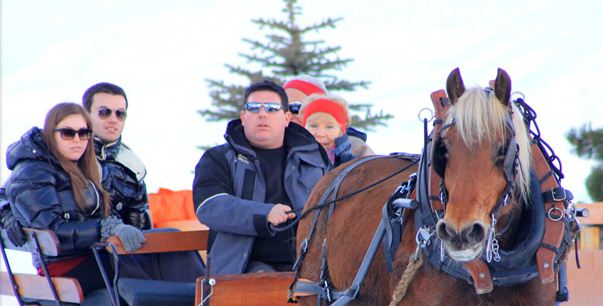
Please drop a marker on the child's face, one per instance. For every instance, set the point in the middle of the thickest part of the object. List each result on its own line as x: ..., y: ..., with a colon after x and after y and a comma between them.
x: 324, y: 128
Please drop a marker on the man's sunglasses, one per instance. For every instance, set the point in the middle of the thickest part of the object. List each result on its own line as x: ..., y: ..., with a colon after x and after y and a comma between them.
x: 294, y: 107
x: 270, y: 107
x: 69, y: 133
x: 104, y: 113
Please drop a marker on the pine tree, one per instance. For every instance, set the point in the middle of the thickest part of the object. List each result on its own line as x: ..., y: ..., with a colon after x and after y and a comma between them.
x: 588, y: 143
x: 286, y: 54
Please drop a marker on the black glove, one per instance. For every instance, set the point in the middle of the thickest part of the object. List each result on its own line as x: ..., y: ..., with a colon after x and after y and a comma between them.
x: 138, y: 219
x: 131, y: 237
x: 13, y: 228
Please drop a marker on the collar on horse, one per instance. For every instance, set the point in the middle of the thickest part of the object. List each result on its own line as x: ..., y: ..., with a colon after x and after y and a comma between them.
x: 545, y: 241
x: 541, y: 252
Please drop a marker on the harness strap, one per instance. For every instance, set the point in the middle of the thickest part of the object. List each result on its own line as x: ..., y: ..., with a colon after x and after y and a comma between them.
x: 482, y: 281
x: 330, y: 192
x: 557, y: 194
x: 554, y: 227
x: 308, y: 288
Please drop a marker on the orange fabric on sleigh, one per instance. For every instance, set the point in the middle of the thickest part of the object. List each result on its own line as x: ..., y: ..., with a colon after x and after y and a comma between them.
x: 173, y: 209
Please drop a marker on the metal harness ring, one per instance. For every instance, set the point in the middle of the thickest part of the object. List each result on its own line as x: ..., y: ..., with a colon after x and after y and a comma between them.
x: 552, y: 216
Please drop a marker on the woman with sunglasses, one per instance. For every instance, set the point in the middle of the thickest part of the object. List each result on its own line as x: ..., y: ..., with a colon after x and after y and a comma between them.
x: 55, y: 185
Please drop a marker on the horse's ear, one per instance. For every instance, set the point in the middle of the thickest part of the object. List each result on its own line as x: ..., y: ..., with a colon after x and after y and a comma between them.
x: 502, y: 87
x: 454, y: 85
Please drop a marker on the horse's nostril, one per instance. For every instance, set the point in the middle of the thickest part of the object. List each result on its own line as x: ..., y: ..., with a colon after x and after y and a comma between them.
x: 444, y: 231
x: 474, y: 233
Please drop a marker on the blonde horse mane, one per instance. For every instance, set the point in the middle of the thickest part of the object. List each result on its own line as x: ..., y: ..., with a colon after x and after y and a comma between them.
x: 480, y: 117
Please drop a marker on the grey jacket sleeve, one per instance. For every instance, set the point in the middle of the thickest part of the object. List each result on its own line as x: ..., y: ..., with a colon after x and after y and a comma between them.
x: 214, y: 200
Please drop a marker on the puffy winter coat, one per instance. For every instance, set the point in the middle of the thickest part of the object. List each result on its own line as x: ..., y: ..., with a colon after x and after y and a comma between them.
x: 123, y: 175
x: 40, y: 196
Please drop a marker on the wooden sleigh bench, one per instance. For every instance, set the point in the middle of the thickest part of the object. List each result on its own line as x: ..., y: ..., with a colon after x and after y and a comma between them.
x: 251, y: 289
x: 30, y: 288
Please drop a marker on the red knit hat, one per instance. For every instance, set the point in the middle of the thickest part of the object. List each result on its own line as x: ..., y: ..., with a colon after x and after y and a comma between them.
x: 330, y: 107
x: 303, y: 86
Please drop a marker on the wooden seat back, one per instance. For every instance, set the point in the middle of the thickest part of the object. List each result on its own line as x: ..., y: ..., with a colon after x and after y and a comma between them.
x: 251, y: 289
x: 36, y: 287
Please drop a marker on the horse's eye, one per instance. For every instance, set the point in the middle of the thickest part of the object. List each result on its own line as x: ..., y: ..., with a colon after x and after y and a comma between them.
x: 440, y: 155
x: 500, y: 155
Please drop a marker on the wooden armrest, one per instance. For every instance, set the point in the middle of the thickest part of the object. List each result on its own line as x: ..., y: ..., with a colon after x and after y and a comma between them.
x: 249, y: 289
x: 36, y: 287
x: 49, y: 243
x: 160, y: 242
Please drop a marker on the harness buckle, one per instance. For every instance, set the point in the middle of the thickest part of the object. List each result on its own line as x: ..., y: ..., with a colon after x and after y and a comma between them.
x: 558, y: 198
x: 423, y: 237
x: 326, y: 291
x: 304, y: 246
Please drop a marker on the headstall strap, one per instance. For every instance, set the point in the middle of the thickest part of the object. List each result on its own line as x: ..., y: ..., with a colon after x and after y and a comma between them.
x: 477, y: 268
x: 441, y: 105
x: 554, y: 229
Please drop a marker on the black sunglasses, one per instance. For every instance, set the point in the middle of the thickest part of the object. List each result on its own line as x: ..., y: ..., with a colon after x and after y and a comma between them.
x: 294, y: 107
x: 270, y: 107
x: 69, y: 133
x: 104, y: 113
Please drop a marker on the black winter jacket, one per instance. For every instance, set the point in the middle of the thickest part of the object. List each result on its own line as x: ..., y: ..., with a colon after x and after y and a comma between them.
x: 123, y: 177
x: 40, y: 196
x: 229, y: 191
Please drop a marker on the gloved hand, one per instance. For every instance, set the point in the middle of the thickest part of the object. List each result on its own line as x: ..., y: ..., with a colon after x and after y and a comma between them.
x: 343, y: 150
x: 13, y: 228
x: 131, y: 237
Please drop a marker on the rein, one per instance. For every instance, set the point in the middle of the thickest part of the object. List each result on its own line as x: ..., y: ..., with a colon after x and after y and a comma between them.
x: 344, y: 197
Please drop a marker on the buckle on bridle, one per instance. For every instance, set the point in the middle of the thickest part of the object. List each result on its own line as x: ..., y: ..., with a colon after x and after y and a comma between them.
x: 559, y: 198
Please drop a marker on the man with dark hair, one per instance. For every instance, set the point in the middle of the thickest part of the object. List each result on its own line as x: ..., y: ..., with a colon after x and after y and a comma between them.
x: 122, y: 173
x: 261, y: 176
x: 121, y: 170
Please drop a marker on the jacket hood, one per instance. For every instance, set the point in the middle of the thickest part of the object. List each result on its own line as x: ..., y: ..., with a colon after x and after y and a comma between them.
x: 31, y: 146
x: 296, y: 138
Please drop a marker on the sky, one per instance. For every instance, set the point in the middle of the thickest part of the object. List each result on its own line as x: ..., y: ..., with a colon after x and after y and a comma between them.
x: 162, y: 52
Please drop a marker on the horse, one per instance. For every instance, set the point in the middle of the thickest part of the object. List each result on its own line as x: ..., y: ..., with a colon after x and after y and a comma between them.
x: 480, y: 228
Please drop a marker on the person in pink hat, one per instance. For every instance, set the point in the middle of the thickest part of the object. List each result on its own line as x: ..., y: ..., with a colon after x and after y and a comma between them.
x: 297, y: 89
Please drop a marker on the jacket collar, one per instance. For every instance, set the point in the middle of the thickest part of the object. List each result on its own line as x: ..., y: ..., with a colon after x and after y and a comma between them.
x: 106, y: 150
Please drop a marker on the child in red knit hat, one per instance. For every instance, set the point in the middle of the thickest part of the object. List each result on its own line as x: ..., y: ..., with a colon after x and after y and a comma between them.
x: 327, y: 117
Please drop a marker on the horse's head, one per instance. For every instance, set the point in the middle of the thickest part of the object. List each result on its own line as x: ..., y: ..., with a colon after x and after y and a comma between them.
x: 483, y: 155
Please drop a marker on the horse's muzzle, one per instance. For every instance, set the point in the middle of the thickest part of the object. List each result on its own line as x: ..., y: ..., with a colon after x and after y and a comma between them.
x: 463, y: 245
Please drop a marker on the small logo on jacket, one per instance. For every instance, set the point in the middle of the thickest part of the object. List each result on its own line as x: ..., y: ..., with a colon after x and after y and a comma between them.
x: 242, y: 158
